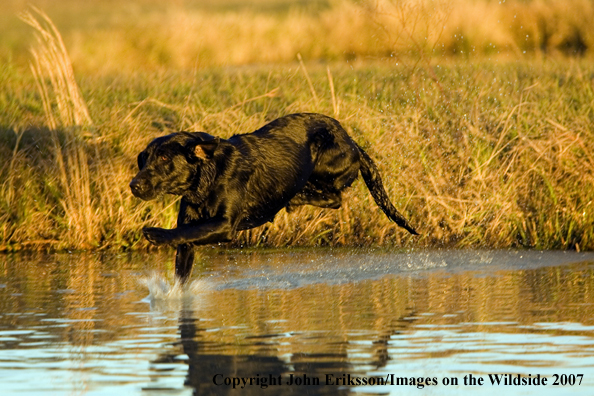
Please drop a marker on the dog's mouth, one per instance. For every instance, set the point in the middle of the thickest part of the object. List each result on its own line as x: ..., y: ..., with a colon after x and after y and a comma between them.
x: 142, y: 189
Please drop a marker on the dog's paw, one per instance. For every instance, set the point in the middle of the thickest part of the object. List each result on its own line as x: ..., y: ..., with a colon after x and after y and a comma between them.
x: 157, y: 236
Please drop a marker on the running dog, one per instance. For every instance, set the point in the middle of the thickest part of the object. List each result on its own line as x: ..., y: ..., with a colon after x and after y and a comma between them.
x: 234, y: 184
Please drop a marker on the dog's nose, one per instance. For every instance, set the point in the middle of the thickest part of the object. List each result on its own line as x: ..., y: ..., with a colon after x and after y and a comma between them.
x: 137, y: 187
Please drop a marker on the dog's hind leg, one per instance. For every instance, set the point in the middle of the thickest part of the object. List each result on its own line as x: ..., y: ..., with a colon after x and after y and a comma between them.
x: 184, y: 260
x: 311, y: 195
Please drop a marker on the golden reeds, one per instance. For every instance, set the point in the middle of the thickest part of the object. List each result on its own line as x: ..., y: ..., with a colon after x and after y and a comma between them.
x: 191, y: 37
x: 476, y: 154
x: 54, y: 75
x: 508, y: 161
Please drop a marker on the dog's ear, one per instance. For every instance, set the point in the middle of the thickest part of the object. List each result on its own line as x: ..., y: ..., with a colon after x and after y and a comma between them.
x: 206, y: 149
x: 141, y: 159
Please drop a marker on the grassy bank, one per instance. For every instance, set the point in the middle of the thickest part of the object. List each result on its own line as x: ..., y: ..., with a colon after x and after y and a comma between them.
x: 475, y: 151
x: 482, y: 155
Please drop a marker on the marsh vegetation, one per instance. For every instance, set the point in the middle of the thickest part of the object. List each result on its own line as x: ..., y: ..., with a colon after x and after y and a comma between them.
x: 479, y: 114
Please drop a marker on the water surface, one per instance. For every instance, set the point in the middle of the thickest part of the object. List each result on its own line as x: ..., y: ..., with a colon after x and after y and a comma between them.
x: 92, y: 324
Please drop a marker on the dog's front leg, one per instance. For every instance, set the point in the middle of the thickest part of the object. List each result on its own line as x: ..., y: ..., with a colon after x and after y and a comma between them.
x: 184, y: 260
x: 206, y: 231
x: 158, y: 236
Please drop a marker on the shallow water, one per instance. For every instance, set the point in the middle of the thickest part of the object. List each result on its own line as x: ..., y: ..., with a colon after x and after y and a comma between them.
x: 89, y: 324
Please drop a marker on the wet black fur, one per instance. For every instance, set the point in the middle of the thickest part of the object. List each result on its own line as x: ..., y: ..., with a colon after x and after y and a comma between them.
x: 244, y: 181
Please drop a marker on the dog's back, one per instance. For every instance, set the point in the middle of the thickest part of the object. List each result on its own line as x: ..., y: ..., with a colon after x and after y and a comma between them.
x: 309, y: 154
x: 308, y: 159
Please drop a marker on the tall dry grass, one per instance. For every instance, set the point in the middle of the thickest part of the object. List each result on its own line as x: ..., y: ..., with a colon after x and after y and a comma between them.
x: 350, y: 30
x: 145, y: 34
x: 476, y: 154
x: 74, y: 181
x: 54, y: 75
x: 497, y: 155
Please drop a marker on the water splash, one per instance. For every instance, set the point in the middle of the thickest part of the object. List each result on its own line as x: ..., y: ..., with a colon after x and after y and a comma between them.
x: 165, y: 295
x: 160, y: 288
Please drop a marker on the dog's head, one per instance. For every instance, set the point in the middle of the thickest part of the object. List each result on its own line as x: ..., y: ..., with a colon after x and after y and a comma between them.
x: 176, y: 164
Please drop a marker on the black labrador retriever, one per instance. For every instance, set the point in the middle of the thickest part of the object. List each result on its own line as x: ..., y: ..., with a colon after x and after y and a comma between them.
x: 244, y: 181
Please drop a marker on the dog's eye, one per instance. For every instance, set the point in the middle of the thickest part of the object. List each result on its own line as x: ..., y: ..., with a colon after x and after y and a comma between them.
x: 164, y: 158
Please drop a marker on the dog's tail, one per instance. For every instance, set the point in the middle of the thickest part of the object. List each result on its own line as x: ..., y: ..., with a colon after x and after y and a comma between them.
x: 374, y: 183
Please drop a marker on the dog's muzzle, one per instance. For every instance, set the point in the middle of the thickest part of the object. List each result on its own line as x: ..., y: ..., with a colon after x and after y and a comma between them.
x: 141, y: 189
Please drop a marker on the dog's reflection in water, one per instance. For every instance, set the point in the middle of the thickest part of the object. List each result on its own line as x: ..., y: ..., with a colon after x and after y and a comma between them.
x: 256, y: 363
